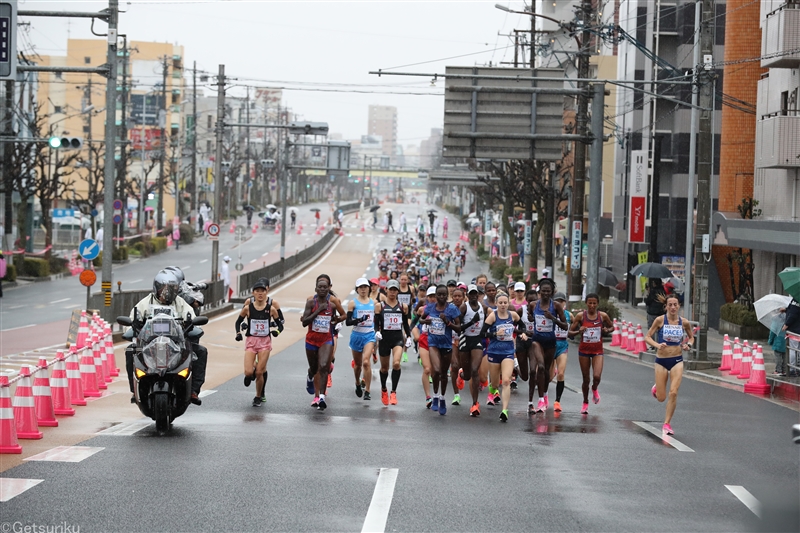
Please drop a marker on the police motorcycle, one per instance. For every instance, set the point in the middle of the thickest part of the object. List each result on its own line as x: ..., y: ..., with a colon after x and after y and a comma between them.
x: 162, y: 353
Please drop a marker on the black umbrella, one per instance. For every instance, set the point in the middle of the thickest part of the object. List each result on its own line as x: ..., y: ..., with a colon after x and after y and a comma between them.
x: 651, y: 270
x: 374, y: 208
x: 606, y: 278
x: 315, y: 209
x: 432, y: 211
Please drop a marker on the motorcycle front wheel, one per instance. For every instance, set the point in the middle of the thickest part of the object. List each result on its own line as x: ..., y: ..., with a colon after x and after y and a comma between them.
x: 161, y: 412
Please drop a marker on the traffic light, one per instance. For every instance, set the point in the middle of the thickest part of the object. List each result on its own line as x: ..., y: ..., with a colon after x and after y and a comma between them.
x: 65, y: 143
x: 8, y: 40
x: 267, y: 163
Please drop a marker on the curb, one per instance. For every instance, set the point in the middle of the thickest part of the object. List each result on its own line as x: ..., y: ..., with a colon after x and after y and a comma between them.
x: 51, y: 277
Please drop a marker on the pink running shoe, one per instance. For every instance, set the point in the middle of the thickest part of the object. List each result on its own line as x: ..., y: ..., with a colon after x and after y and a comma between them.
x: 653, y: 390
x: 315, y: 403
x: 541, y: 406
x: 546, y: 402
x: 595, y: 396
x: 585, y: 408
x: 667, y: 429
x: 497, y: 399
x: 490, y: 399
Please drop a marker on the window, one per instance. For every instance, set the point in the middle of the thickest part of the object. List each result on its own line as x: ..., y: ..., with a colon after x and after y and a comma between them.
x: 59, y: 75
x: 57, y: 109
x: 208, y: 147
x: 87, y: 60
x: 210, y: 125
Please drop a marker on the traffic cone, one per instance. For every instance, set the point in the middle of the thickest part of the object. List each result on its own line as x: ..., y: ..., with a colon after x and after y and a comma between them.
x: 74, y: 380
x: 341, y: 233
x: 356, y: 215
x: 318, y: 230
x: 42, y: 396
x: 233, y: 227
x: 89, y: 374
x: 363, y: 229
x: 277, y: 229
x: 747, y: 361
x: 83, y: 331
x: 255, y: 229
x: 623, y: 336
x: 59, y: 387
x: 736, y: 366
x: 727, y: 355
x: 99, y: 365
x: 758, y: 376
x: 8, y: 429
x: 111, y: 360
x: 300, y: 229
x: 615, y: 337
x: 640, y: 344
x: 631, y: 337
x: 25, y: 408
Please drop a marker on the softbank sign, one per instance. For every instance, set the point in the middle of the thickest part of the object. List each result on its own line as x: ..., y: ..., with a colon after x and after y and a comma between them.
x: 638, y: 196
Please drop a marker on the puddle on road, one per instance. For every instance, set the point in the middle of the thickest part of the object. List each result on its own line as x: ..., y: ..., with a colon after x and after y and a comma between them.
x: 562, y: 423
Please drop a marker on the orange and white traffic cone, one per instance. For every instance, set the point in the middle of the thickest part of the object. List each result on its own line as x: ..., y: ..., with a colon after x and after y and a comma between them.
x: 736, y: 366
x: 83, y: 331
x: 319, y: 228
x: 747, y: 361
x: 758, y: 376
x: 8, y: 429
x: 623, y: 336
x: 42, y: 396
x: 727, y: 355
x: 341, y: 233
x: 233, y: 227
x: 89, y: 374
x: 111, y: 361
x: 631, y: 338
x: 363, y: 228
x: 615, y: 337
x: 25, y: 408
x: 640, y: 344
x: 74, y: 379
x: 59, y: 387
x: 99, y: 365
x: 277, y: 229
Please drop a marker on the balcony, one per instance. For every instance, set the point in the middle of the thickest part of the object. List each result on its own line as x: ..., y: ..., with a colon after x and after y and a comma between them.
x: 778, y: 141
x: 780, y: 32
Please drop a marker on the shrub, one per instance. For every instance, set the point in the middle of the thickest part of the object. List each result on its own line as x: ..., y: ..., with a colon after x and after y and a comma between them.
x: 159, y: 244
x: 58, y: 264
x: 515, y: 272
x: 739, y: 314
x: 120, y: 254
x: 35, y: 267
x: 11, y: 272
x: 605, y: 306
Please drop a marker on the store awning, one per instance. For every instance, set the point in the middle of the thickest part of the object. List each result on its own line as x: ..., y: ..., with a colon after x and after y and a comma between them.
x: 778, y: 236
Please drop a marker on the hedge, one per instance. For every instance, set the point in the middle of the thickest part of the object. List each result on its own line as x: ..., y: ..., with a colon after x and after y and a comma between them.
x: 58, y: 264
x: 738, y: 314
x: 11, y: 272
x: 35, y: 268
x: 497, y: 268
x: 605, y: 306
x: 187, y: 232
x: 159, y: 244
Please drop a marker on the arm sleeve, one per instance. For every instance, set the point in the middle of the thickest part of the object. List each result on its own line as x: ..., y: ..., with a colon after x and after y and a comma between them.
x: 485, y: 330
x: 279, y: 321
x: 350, y: 321
x: 406, y: 327
x: 239, y: 321
x: 378, y: 321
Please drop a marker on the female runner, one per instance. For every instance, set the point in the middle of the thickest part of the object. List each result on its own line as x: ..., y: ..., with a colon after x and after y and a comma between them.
x: 499, y: 327
x: 591, y: 324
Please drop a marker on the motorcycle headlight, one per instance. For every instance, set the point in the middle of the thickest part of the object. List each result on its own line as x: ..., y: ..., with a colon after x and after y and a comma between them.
x: 184, y: 373
x: 140, y: 373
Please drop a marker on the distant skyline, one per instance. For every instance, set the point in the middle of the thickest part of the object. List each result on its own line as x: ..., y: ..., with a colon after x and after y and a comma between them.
x: 319, y: 52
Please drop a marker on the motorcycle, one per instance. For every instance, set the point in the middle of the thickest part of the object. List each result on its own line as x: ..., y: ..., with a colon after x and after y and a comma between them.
x: 163, y: 363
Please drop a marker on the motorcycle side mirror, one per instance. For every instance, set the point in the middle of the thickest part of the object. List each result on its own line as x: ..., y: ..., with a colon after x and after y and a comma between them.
x: 200, y: 321
x: 124, y: 321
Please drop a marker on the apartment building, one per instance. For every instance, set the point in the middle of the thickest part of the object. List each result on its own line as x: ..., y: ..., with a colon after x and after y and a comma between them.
x: 382, y: 120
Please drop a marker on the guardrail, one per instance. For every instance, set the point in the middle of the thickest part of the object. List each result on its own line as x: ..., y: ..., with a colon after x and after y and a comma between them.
x: 792, y: 351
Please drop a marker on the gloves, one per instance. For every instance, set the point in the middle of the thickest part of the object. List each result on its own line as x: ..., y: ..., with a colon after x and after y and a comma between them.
x: 378, y: 336
x: 275, y: 332
x: 239, y: 336
x: 409, y: 342
x: 363, y: 319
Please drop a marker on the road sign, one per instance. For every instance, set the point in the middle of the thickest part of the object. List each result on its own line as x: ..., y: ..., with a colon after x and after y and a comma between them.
x: 88, y: 278
x: 239, y: 267
x: 577, y: 236
x: 59, y: 213
x: 89, y: 249
x: 240, y: 231
x: 8, y: 40
x: 94, y: 212
x: 527, y: 237
x: 117, y: 204
x: 213, y: 231
x: 117, y: 219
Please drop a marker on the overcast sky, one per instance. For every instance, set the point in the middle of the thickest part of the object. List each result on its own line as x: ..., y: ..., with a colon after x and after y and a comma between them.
x: 325, y: 48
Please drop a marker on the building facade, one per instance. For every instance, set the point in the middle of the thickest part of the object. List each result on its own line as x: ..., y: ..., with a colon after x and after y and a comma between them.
x: 382, y: 120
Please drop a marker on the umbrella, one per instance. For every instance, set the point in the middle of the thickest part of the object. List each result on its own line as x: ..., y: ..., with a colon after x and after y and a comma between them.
x: 293, y: 210
x: 677, y: 284
x: 374, y: 208
x: 651, y: 270
x: 315, y: 209
x: 432, y: 211
x: 791, y: 281
x: 520, y: 222
x: 606, y: 278
x: 768, y: 308
x: 472, y: 215
x: 271, y: 206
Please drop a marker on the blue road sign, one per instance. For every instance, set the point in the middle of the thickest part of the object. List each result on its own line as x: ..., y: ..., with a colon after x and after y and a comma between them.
x: 89, y: 249
x: 59, y: 213
x: 94, y: 212
x: 117, y: 204
x: 117, y: 219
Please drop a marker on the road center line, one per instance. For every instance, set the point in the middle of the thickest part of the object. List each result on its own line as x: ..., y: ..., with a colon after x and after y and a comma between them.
x: 21, y: 327
x: 134, y: 281
x: 746, y: 498
x: 675, y: 443
x: 381, y: 501
x: 204, y: 261
x: 61, y: 300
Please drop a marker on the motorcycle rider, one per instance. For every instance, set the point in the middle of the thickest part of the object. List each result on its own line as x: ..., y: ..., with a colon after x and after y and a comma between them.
x: 166, y: 289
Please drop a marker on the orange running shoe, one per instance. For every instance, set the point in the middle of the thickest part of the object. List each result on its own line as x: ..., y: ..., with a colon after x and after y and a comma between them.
x: 475, y: 410
x: 385, y: 397
x: 460, y: 381
x: 330, y: 381
x: 557, y: 407
x: 393, y: 398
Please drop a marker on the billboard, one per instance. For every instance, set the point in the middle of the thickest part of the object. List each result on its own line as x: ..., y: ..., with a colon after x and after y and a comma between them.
x: 637, y: 196
x: 150, y: 140
x: 145, y: 109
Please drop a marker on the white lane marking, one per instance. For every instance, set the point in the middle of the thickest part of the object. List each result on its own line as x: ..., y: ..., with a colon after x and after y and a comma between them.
x: 61, y: 300
x: 253, y: 261
x: 265, y: 254
x: 675, y: 443
x: 72, y: 306
x: 184, y: 268
x: 16, y: 307
x: 205, y: 393
x: 746, y: 498
x: 11, y: 486
x: 296, y: 279
x: 21, y: 327
x: 103, y: 394
x: 204, y: 261
x: 126, y: 429
x: 65, y: 454
x: 134, y: 281
x: 378, y: 511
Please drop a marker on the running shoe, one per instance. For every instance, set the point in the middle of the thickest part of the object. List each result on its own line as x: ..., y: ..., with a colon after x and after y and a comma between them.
x: 504, y: 415
x: 531, y: 409
x: 584, y: 408
x: 405, y: 358
x: 460, y: 381
x: 456, y: 399
x: 366, y: 395
x: 385, y: 397
x: 315, y: 403
x: 352, y: 364
x: 435, y: 406
x: 557, y: 406
x: 430, y: 379
x: 247, y: 380
x: 484, y: 384
x: 263, y: 398
x: 514, y: 385
x: 322, y: 405
x: 475, y: 410
x: 666, y: 428
x: 393, y: 398
x: 595, y: 396
x: 546, y: 402
x: 257, y: 401
x: 330, y: 381
x: 497, y: 398
x: 540, y: 407
x: 363, y: 384
x: 310, y: 385
x: 653, y: 390
x: 419, y: 360
x: 428, y: 402
x: 490, y: 399
x: 359, y: 390
x: 442, y: 407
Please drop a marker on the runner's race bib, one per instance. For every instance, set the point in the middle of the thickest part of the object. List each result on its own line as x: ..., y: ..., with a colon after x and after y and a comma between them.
x: 436, y: 327
x: 404, y: 299
x: 394, y: 322
x: 259, y: 327
x: 322, y: 324
x: 505, y: 332
x: 544, y: 325
x: 561, y: 333
x: 592, y: 334
x: 368, y: 323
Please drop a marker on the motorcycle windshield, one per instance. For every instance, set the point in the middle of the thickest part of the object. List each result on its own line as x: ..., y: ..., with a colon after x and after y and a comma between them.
x: 158, y: 326
x: 161, y: 354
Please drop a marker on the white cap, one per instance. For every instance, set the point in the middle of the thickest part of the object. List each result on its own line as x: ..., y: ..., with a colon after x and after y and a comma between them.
x: 431, y: 290
x: 360, y: 282
x: 519, y: 286
x: 472, y: 288
x: 226, y: 258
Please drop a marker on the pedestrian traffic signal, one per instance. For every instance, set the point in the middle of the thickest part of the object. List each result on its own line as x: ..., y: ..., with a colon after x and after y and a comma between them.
x: 65, y: 143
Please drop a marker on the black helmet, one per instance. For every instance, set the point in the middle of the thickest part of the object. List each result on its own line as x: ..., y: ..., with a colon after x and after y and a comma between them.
x: 178, y: 273
x: 166, y: 287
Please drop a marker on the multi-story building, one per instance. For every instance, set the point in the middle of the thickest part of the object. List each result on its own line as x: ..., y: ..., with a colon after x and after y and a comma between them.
x: 430, y: 149
x: 773, y: 168
x: 382, y: 120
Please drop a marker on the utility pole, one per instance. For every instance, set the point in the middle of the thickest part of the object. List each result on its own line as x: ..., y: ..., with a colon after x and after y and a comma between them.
x: 162, y: 119
x: 8, y: 131
x: 219, y: 130
x: 194, y: 136
x: 122, y: 172
x: 247, y: 181
x: 109, y: 166
x: 704, y: 160
x: 690, y: 194
x: 595, y: 188
x: 584, y: 52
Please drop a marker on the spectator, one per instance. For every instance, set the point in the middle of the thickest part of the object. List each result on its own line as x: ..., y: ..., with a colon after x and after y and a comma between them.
x: 654, y: 300
x: 225, y: 274
x: 3, y: 269
x: 777, y: 340
x: 792, y: 325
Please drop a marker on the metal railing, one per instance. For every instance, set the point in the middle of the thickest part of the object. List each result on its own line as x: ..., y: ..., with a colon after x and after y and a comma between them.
x: 790, y: 350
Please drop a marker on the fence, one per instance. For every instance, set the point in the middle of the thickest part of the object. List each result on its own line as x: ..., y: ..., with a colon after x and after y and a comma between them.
x: 792, y: 352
